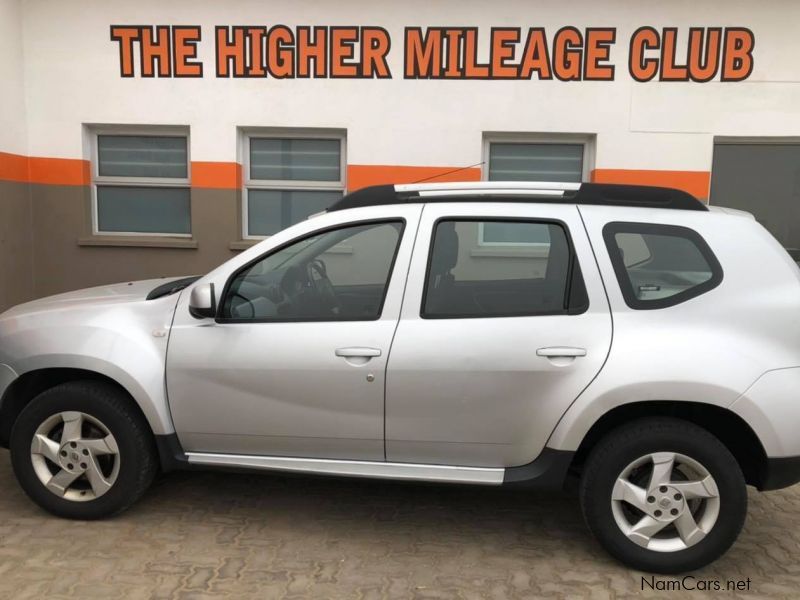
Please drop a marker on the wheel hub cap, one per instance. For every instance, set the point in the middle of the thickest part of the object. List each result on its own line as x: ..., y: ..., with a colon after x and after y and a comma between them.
x: 75, y: 456
x: 671, y: 509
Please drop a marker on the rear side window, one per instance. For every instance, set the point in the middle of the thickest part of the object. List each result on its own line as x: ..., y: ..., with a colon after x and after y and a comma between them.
x: 469, y: 279
x: 660, y: 265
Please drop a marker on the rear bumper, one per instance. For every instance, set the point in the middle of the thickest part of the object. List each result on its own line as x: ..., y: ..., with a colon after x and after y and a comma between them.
x: 780, y: 473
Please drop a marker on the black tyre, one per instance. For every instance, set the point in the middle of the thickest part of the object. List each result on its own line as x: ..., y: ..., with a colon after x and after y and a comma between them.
x: 663, y: 495
x: 80, y: 451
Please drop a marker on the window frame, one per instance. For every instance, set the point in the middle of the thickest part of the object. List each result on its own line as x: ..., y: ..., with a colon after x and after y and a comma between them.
x: 219, y: 318
x: 587, y: 165
x: 285, y: 184
x: 144, y: 182
x: 574, y: 271
x: 610, y: 230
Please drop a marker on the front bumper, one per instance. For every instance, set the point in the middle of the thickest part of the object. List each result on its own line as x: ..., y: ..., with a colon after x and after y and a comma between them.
x: 780, y: 473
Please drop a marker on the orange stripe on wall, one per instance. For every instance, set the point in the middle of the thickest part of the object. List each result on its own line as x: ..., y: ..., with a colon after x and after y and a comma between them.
x: 52, y: 171
x: 58, y: 171
x: 696, y: 183
x: 217, y: 175
x: 13, y: 167
x: 359, y: 176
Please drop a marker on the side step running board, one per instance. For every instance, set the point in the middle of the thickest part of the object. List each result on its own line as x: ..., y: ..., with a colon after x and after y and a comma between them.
x: 353, y: 468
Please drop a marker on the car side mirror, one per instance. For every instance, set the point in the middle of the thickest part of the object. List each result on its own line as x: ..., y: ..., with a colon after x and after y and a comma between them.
x: 202, y: 302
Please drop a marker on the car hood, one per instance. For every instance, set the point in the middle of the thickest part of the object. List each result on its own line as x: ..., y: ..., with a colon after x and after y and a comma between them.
x: 104, y: 295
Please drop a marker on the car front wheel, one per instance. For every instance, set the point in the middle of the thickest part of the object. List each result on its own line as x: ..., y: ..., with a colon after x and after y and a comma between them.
x: 81, y: 451
x: 663, y: 495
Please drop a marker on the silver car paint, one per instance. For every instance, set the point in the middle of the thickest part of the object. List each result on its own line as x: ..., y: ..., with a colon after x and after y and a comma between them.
x: 474, y: 391
x: 281, y: 388
x: 110, y: 330
x: 709, y: 349
x: 737, y: 346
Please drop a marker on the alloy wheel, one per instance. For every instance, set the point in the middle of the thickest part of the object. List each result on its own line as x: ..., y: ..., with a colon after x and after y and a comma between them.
x: 75, y: 456
x: 665, y: 501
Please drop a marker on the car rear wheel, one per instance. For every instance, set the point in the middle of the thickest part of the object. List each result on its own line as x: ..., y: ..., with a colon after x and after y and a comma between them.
x: 80, y: 450
x: 663, y: 495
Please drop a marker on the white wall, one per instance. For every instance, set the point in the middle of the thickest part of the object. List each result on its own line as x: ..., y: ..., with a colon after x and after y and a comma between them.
x: 72, y: 77
x: 12, y: 105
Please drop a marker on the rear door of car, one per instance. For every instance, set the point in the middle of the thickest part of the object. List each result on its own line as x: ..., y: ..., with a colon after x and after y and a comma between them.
x: 504, y: 323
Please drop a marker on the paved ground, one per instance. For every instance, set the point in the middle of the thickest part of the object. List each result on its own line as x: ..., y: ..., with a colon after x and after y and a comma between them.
x: 199, y: 535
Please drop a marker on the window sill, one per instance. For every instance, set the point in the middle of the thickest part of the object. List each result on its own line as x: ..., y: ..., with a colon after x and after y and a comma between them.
x: 138, y: 242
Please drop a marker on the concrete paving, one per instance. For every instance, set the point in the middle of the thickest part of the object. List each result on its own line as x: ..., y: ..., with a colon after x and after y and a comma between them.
x: 212, y: 535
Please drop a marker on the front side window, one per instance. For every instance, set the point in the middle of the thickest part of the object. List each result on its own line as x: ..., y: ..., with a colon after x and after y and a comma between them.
x: 337, y: 275
x: 463, y: 281
x: 141, y: 184
x: 290, y: 178
x: 660, y: 265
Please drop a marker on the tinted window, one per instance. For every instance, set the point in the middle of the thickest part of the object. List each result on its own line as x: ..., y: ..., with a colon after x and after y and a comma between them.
x: 466, y: 279
x: 338, y: 275
x: 660, y: 265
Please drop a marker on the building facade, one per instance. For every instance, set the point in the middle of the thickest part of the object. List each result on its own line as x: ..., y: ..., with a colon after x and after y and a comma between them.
x: 145, y: 139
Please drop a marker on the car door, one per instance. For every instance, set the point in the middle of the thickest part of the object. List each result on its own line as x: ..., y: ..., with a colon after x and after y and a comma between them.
x: 294, y: 364
x: 504, y: 323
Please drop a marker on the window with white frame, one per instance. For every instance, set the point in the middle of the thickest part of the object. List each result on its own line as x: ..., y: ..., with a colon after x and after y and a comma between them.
x: 141, y: 182
x: 290, y: 176
x: 562, y: 159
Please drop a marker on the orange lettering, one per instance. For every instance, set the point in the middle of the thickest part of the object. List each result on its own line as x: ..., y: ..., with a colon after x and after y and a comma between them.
x: 598, y: 49
x: 375, y: 44
x: 643, y: 69
x: 230, y: 51
x: 308, y: 50
x: 279, y: 56
x: 342, y: 42
x: 535, y: 57
x: 423, y: 56
x: 184, y: 47
x: 737, y: 63
x: 125, y: 36
x: 567, y: 54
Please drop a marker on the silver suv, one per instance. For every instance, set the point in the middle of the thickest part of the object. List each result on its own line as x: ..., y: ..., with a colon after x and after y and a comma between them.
x: 512, y: 334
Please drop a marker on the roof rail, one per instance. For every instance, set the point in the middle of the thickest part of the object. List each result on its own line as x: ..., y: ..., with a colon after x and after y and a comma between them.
x: 605, y: 194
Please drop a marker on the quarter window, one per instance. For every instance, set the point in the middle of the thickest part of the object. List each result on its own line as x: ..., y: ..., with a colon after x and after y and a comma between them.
x: 660, y: 265
x: 465, y: 280
x: 337, y: 275
x: 290, y: 177
x: 141, y: 184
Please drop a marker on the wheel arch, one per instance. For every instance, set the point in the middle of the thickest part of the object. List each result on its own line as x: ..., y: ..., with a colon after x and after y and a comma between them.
x: 32, y: 383
x: 727, y: 426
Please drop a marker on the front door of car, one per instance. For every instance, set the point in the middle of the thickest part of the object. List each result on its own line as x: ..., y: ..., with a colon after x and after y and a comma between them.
x: 504, y: 323
x: 294, y: 364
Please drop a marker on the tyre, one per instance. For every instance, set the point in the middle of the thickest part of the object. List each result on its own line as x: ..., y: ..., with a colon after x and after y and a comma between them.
x: 663, y: 495
x: 80, y: 451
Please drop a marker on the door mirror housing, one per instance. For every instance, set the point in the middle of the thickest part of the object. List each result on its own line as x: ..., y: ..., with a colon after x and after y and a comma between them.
x: 203, y: 302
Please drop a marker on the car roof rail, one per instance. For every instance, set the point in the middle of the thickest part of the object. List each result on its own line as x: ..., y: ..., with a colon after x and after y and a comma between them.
x: 607, y: 194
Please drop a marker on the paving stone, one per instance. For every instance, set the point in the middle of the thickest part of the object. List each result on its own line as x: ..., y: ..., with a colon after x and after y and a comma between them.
x: 225, y: 535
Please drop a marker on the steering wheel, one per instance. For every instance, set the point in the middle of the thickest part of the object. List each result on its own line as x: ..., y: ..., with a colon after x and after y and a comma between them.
x: 318, y: 278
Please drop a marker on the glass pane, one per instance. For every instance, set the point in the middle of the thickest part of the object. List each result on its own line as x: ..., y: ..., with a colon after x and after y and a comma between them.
x: 465, y: 283
x: 299, y: 159
x: 536, y: 162
x: 269, y: 211
x: 143, y: 209
x: 142, y: 156
x: 515, y: 233
x: 669, y: 264
x: 339, y: 275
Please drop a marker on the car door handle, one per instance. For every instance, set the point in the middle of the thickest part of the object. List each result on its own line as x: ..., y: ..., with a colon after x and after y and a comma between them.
x: 561, y: 352
x: 358, y: 352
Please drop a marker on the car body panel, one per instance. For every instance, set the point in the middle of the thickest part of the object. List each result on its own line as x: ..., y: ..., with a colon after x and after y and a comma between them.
x: 708, y: 349
x: 276, y: 388
x: 111, y: 330
x: 472, y: 391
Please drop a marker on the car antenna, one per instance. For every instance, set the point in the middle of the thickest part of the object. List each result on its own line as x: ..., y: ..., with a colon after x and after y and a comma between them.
x: 449, y: 172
